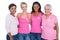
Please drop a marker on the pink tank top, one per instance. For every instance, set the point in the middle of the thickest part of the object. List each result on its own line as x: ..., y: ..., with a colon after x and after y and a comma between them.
x: 36, y: 21
x: 23, y: 25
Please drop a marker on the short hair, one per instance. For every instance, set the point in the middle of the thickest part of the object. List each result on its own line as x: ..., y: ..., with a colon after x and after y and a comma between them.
x: 48, y: 5
x: 11, y: 5
x: 23, y: 3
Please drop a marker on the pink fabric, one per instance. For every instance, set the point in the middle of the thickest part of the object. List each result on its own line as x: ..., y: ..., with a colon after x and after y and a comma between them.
x: 23, y: 25
x: 48, y: 24
x: 36, y: 21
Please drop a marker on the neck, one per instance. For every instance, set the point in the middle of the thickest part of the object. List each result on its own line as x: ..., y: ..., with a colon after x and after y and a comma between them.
x: 48, y: 14
x: 36, y: 12
x: 12, y: 14
x: 24, y: 12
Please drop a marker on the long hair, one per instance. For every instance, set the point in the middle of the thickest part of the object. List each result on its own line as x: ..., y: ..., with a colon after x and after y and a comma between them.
x: 39, y: 10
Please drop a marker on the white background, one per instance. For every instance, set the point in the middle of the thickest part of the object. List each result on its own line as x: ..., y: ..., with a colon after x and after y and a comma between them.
x: 4, y: 11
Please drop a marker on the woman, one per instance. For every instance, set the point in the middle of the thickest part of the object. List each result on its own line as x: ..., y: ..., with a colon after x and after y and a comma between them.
x: 36, y: 21
x: 12, y: 23
x: 24, y: 20
x: 50, y: 25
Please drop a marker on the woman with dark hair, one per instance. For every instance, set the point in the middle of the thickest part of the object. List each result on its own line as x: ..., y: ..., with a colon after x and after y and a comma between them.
x: 12, y: 23
x: 36, y: 21
x: 39, y: 9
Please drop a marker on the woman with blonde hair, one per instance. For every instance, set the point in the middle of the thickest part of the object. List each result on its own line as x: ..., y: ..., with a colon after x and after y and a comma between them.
x: 24, y: 20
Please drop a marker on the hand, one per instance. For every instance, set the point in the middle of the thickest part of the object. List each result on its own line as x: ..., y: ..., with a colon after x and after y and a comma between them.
x: 11, y: 38
x: 18, y: 26
x: 56, y: 38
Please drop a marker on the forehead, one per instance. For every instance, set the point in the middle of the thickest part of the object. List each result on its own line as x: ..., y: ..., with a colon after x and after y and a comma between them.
x: 13, y: 7
x: 36, y: 5
x: 47, y: 7
x: 23, y: 5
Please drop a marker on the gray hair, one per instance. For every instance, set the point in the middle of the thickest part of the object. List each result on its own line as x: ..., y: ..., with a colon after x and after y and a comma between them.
x: 48, y: 5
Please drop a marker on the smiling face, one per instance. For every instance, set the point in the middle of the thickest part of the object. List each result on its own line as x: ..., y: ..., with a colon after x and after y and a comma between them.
x: 47, y: 9
x: 13, y: 9
x: 24, y: 7
x: 36, y: 7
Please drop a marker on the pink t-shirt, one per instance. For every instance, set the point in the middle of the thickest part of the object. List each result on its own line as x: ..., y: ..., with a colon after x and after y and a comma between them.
x: 36, y: 21
x: 48, y: 25
x: 23, y: 25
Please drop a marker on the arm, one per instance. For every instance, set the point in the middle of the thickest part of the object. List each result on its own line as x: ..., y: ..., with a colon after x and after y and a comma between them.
x: 30, y: 18
x: 41, y: 20
x: 11, y: 38
x: 57, y: 30
x: 56, y: 26
x: 18, y: 18
x: 18, y: 15
x: 8, y: 23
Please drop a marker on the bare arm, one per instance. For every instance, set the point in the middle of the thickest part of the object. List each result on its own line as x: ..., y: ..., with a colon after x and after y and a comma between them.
x: 18, y: 18
x: 57, y: 30
x: 11, y: 38
x: 18, y: 15
x: 30, y: 18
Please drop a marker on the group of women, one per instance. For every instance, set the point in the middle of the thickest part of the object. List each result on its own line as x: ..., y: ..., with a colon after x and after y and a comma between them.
x: 44, y: 26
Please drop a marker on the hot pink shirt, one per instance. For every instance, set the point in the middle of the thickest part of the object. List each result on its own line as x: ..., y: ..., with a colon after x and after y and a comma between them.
x: 36, y: 21
x: 48, y: 25
x: 23, y: 25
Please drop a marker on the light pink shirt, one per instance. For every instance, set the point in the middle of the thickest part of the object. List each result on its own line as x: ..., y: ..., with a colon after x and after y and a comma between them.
x: 48, y: 25
x: 23, y: 25
x: 36, y: 21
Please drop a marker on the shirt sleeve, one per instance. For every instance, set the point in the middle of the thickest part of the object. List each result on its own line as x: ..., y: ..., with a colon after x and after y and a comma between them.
x: 8, y: 24
x: 55, y: 20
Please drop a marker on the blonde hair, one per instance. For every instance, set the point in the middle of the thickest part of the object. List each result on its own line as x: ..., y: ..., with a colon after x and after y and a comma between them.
x: 23, y: 3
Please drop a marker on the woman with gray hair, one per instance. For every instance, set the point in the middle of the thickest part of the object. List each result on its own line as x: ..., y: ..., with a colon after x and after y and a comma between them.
x: 49, y: 24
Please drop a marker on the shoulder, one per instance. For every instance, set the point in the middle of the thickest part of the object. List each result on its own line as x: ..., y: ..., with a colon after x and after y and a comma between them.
x: 18, y: 14
x: 29, y: 14
x: 54, y: 16
x: 43, y: 15
x: 8, y: 18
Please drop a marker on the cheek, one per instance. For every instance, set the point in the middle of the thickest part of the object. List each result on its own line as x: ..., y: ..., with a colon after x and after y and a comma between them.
x: 46, y: 10
x: 24, y: 8
x: 36, y: 8
x: 13, y: 11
